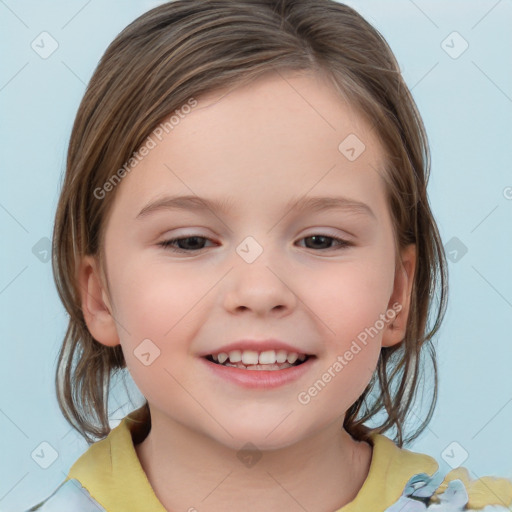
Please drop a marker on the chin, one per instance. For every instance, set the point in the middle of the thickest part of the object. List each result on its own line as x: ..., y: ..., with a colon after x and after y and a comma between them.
x: 262, y: 435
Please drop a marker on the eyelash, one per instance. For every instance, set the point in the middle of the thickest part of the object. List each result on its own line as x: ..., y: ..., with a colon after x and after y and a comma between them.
x: 168, y: 244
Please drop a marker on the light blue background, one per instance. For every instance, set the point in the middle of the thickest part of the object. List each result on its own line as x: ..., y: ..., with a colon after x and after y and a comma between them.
x: 466, y: 104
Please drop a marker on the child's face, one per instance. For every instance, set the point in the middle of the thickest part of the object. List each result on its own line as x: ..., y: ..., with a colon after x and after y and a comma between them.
x: 256, y: 150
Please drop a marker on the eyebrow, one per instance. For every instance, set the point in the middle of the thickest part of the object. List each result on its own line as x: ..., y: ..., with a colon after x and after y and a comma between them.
x: 196, y: 203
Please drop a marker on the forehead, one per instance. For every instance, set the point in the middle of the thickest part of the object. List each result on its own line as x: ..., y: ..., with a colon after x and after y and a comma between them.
x: 283, y: 134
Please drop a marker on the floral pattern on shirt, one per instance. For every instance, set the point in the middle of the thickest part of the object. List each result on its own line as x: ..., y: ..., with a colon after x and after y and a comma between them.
x: 69, y: 496
x: 420, y: 495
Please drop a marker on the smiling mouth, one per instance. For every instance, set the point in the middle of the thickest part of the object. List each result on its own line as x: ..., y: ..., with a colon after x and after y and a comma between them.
x: 270, y: 360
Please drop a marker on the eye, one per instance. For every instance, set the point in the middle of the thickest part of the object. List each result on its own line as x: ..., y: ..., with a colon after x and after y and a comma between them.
x: 184, y: 244
x: 195, y: 243
x: 321, y: 241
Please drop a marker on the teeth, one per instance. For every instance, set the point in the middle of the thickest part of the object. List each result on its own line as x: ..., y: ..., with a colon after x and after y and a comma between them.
x: 235, y: 356
x: 281, y: 356
x: 268, y: 357
x: 292, y: 357
x: 252, y: 357
x: 222, y: 357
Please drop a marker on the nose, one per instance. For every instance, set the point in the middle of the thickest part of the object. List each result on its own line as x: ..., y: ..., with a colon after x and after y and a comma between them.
x: 261, y: 287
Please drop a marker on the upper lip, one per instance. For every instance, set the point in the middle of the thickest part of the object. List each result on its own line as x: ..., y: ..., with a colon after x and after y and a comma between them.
x: 256, y: 345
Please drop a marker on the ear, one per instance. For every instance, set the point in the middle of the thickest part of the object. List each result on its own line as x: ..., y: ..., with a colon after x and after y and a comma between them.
x: 400, y: 300
x: 96, y: 306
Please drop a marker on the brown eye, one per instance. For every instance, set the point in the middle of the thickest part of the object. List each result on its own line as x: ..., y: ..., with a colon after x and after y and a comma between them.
x: 324, y: 242
x: 185, y: 244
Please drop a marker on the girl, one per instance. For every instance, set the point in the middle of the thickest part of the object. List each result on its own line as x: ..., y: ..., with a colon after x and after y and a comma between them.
x: 244, y: 225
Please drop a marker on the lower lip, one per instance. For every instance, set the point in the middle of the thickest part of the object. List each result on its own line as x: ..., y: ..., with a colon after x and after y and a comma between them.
x: 260, y: 379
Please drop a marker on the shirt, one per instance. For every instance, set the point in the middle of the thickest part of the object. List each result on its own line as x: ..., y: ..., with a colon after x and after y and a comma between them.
x: 108, y: 477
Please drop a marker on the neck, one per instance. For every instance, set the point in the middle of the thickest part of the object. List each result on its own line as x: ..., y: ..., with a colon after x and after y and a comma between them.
x: 190, y: 471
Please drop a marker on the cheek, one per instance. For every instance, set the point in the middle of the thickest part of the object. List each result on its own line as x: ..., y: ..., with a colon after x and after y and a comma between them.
x: 155, y: 301
x: 157, y: 312
x: 350, y: 298
x: 337, y: 390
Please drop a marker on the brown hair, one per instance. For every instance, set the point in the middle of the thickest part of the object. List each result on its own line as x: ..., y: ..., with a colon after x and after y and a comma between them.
x: 186, y: 48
